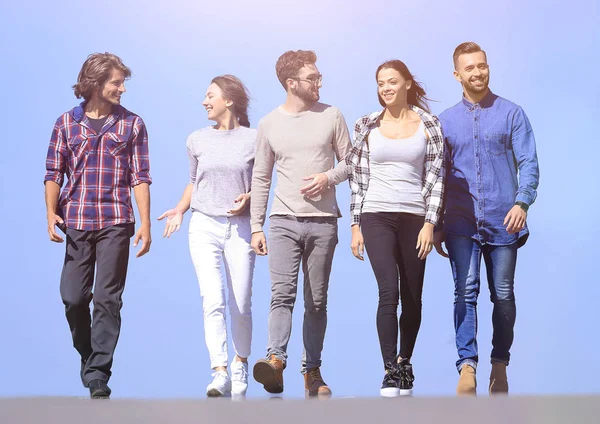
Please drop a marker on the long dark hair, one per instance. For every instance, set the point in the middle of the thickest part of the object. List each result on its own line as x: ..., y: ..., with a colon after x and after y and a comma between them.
x: 233, y: 89
x: 416, y: 93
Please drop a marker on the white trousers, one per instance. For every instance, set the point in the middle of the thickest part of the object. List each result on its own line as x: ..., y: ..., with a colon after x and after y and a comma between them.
x: 216, y: 242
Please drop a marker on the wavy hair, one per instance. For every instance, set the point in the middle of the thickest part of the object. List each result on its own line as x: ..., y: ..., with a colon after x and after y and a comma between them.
x: 96, y: 70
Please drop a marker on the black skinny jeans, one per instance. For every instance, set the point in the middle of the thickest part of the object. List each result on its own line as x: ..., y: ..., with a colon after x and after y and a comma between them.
x: 390, y: 241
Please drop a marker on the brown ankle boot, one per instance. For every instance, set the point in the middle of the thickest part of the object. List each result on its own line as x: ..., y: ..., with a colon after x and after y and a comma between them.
x: 314, y: 384
x: 467, y: 383
x: 498, y: 380
x: 269, y: 372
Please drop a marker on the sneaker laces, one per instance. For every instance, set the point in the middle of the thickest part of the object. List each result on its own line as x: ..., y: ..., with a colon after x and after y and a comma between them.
x: 220, y: 375
x: 392, y: 373
x: 239, y: 372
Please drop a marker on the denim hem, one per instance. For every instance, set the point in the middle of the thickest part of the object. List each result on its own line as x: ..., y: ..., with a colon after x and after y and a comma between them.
x: 467, y: 362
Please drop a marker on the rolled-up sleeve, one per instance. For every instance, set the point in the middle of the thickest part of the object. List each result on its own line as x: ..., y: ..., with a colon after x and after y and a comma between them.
x: 56, y: 158
x: 140, y: 159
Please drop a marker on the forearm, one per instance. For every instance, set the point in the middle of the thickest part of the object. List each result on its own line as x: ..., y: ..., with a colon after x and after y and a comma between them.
x: 51, y: 192
x: 258, y: 203
x: 186, y: 199
x: 142, y: 198
x: 338, y: 174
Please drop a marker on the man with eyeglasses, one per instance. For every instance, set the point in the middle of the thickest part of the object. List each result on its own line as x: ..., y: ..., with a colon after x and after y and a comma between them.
x: 303, y: 138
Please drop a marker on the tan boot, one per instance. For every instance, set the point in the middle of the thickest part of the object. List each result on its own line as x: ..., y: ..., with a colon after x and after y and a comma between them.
x: 269, y: 372
x: 314, y: 384
x: 498, y: 380
x: 467, y: 383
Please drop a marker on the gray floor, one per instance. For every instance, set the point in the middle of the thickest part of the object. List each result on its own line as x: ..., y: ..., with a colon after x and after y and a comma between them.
x: 511, y: 410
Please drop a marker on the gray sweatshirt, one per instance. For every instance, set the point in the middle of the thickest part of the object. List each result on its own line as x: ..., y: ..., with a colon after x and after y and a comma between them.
x: 220, y: 168
x: 299, y: 144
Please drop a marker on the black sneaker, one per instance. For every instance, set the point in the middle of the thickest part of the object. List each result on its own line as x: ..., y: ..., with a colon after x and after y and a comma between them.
x: 391, y: 381
x: 99, y: 389
x: 406, y: 377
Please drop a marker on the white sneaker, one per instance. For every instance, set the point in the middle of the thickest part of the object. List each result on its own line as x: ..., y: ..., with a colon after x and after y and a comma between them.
x: 239, y: 378
x: 220, y: 386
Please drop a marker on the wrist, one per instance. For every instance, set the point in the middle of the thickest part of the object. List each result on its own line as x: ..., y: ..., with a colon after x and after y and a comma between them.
x: 522, y: 205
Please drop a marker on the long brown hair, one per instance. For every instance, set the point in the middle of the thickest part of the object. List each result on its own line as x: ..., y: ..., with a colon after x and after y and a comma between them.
x: 233, y: 89
x: 96, y: 70
x: 416, y: 93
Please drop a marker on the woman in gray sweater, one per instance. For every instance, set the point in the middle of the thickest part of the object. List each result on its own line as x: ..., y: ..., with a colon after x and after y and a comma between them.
x: 221, y: 160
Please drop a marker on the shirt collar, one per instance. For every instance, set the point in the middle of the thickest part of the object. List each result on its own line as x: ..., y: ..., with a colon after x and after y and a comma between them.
x: 78, y: 112
x: 486, y: 102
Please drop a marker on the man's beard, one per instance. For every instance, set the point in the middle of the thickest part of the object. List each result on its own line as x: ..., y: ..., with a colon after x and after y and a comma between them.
x: 477, y: 90
x: 307, y: 95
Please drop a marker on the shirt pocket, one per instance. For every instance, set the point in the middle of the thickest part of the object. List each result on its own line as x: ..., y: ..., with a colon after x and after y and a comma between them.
x: 116, y: 144
x: 78, y: 144
x: 495, y: 143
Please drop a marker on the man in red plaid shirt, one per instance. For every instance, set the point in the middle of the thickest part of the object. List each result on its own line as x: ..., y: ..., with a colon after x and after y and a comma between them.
x: 101, y: 150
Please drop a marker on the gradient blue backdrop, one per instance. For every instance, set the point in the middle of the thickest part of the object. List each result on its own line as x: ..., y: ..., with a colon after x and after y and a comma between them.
x: 542, y: 55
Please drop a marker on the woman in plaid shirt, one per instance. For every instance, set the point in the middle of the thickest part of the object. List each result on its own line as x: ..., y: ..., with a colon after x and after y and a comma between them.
x: 397, y: 180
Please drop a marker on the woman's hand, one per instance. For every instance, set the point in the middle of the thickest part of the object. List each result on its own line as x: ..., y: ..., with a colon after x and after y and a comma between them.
x: 243, y: 200
x: 174, y: 219
x: 358, y: 243
x: 425, y: 240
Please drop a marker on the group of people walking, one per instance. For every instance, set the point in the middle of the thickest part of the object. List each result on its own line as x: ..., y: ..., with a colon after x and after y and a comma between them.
x: 466, y: 179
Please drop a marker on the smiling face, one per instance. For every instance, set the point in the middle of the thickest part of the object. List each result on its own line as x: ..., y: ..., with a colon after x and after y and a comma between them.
x: 113, y: 88
x: 392, y: 87
x: 473, y: 72
x: 215, y: 104
x: 307, y: 84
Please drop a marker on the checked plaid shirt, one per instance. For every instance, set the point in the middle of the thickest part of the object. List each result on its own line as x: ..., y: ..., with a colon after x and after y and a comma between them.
x: 100, y: 168
x: 435, y: 171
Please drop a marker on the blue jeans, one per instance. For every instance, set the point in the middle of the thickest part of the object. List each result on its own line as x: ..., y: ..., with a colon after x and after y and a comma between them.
x: 500, y: 262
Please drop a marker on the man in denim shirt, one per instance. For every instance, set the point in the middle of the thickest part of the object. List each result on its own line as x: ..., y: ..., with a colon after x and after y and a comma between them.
x: 491, y: 182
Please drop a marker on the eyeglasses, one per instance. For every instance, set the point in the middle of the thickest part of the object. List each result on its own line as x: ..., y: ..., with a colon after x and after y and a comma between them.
x: 312, y: 80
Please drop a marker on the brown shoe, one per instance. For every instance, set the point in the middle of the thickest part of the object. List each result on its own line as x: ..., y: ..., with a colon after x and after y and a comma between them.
x: 467, y: 383
x: 314, y: 384
x: 498, y: 380
x: 269, y: 372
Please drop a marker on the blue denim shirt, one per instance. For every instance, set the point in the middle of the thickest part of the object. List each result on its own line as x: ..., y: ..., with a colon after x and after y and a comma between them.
x: 491, y: 164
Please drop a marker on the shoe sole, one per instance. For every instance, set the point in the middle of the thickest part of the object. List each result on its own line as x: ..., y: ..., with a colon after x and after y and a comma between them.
x: 214, y: 393
x: 266, y: 375
x: 99, y: 394
x: 389, y: 392
x: 406, y: 392
x: 312, y: 395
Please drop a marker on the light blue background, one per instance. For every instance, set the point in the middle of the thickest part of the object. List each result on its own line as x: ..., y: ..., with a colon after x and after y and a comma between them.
x: 542, y: 55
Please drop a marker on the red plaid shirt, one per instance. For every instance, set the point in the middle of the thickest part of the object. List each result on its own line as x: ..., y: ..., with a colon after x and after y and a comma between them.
x: 100, y: 168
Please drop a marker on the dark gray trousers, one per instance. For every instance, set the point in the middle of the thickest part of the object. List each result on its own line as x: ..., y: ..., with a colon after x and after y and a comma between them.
x: 104, y: 253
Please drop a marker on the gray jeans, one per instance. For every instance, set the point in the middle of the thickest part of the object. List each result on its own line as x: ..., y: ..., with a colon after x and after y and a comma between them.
x: 292, y: 240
